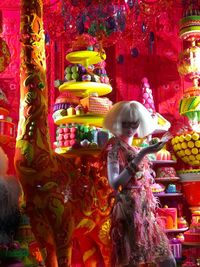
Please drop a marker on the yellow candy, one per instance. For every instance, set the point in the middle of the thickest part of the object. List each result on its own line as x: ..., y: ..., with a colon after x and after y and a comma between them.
x: 182, y: 153
x: 184, y: 145
x: 197, y: 143
x: 173, y: 141
x: 178, y: 146
x: 195, y: 136
x: 190, y: 144
x: 179, y: 153
x: 176, y: 139
x: 187, y: 152
x: 198, y: 157
x: 196, y: 162
x: 192, y: 158
x: 185, y: 159
x: 181, y: 138
x: 188, y: 137
x: 175, y: 147
x: 195, y: 151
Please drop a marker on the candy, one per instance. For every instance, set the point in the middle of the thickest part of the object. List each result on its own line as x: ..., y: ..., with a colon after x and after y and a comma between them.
x: 188, y: 150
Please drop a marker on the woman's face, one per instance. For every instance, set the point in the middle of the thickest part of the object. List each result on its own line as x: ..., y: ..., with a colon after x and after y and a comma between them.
x: 129, y: 128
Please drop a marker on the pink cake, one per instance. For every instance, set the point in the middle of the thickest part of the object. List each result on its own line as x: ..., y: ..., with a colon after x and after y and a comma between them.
x: 163, y: 154
x: 193, y: 234
x: 166, y: 173
x: 168, y: 217
x: 157, y: 188
x: 96, y: 105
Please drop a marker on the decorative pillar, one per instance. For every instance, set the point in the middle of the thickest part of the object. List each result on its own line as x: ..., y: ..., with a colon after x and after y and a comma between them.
x: 43, y: 174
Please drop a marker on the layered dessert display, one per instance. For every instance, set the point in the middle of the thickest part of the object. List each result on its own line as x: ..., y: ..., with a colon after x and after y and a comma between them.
x: 81, y: 106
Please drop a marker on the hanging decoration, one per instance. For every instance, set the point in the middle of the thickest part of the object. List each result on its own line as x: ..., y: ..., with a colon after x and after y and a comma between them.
x: 4, y: 50
x: 109, y: 21
x: 104, y: 20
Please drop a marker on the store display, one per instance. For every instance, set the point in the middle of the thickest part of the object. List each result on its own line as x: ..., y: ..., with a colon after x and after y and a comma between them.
x: 166, y: 172
x: 80, y: 108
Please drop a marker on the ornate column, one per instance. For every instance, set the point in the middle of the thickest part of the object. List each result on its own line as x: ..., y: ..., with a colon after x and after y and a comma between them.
x: 44, y: 176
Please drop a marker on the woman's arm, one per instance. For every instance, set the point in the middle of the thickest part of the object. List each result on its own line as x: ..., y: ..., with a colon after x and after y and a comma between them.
x: 115, y: 177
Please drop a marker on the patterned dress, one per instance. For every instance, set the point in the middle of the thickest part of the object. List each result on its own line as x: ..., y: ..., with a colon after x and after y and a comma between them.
x: 135, y: 232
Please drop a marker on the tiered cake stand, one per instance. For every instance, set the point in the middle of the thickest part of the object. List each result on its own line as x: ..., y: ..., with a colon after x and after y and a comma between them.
x: 83, y: 89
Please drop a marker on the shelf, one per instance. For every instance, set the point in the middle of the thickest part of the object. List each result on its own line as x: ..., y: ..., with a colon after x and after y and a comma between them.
x: 176, y: 230
x: 193, y: 244
x: 85, y: 57
x: 84, y: 89
x: 163, y: 161
x: 167, y: 194
x: 91, y: 119
x: 167, y: 180
x: 78, y: 152
x: 4, y: 111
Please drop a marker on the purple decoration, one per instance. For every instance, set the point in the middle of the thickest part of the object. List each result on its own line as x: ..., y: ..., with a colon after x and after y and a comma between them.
x: 151, y: 37
x: 134, y: 52
x: 120, y: 59
x: 143, y: 27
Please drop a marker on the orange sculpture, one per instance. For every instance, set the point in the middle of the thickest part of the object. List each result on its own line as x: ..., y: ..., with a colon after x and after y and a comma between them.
x: 66, y: 198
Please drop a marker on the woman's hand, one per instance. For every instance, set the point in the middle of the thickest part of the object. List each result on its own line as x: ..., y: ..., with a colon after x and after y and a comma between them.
x: 147, y: 150
x: 153, y: 148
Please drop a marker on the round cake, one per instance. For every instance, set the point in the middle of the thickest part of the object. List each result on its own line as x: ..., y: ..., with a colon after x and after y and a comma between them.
x: 166, y: 173
x: 65, y: 105
x: 190, y: 27
x: 163, y: 154
x: 157, y: 188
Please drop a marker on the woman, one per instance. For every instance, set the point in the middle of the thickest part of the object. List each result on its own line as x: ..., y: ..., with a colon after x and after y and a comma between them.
x: 135, y: 233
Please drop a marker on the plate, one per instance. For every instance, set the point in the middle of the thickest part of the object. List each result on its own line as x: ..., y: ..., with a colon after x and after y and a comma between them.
x: 162, y: 194
x: 79, y: 151
x: 83, y: 89
x: 85, y: 57
x: 163, y: 161
x: 176, y: 230
x: 189, y: 176
x: 167, y: 179
x: 93, y: 120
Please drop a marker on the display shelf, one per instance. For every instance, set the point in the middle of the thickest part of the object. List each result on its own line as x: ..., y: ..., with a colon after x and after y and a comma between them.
x: 84, y: 89
x: 176, y: 230
x: 167, y: 194
x: 4, y: 111
x: 86, y: 57
x: 163, y: 161
x: 192, y: 244
x: 78, y: 152
x: 89, y: 119
x: 167, y: 180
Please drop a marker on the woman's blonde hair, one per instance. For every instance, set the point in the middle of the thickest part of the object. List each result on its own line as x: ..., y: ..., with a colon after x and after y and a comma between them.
x: 129, y: 111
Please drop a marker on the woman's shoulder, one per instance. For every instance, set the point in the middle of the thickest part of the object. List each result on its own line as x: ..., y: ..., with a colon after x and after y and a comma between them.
x: 113, y: 144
